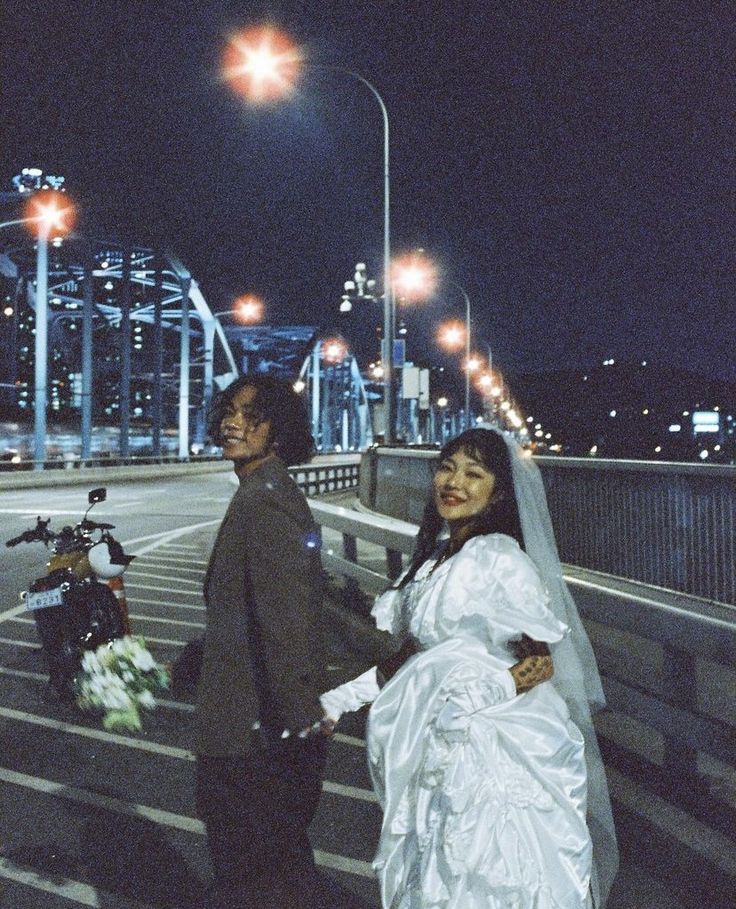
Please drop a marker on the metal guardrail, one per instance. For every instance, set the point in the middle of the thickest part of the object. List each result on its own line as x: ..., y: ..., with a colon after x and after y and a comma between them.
x: 678, y: 634
x: 667, y: 525
x: 324, y: 474
x: 317, y: 479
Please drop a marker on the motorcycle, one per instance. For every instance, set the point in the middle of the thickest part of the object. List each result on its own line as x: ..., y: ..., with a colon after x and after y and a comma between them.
x: 80, y: 602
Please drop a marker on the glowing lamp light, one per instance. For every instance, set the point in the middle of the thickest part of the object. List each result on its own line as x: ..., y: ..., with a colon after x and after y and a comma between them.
x: 414, y: 276
x: 262, y: 64
x: 248, y: 309
x: 299, y: 386
x: 442, y: 402
x: 334, y: 350
x: 51, y: 210
x: 451, y: 335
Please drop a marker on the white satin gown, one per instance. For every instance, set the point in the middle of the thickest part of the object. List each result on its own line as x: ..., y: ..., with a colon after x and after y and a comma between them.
x: 483, y: 790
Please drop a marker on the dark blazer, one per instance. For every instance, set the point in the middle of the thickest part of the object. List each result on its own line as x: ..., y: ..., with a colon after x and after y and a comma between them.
x: 263, y: 654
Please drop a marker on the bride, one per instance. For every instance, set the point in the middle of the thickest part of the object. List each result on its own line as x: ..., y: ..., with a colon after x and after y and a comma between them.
x: 481, y: 746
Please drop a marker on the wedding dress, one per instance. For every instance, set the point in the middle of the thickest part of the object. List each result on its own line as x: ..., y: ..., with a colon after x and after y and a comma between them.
x: 483, y: 790
x: 491, y: 799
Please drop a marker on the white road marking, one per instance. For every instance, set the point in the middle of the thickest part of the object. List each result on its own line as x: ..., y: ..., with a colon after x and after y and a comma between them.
x: 153, y: 618
x: 12, y: 613
x: 198, y: 608
x: 182, y: 754
x: 188, y: 593
x: 166, y: 536
x: 11, y: 642
x: 164, y: 561
x: 156, y: 815
x: 75, y: 891
x: 165, y: 642
x: 41, y: 677
x: 32, y: 513
x: 676, y: 823
x: 161, y: 577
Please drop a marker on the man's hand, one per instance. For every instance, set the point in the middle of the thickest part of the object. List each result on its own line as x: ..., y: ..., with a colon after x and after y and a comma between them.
x: 325, y: 726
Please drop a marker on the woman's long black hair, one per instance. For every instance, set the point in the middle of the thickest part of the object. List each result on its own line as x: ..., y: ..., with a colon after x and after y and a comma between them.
x: 502, y: 515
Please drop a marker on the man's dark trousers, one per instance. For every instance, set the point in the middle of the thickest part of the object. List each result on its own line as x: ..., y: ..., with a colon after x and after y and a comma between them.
x: 256, y: 809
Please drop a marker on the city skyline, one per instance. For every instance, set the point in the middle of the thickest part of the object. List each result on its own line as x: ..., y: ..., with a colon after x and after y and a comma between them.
x: 568, y: 166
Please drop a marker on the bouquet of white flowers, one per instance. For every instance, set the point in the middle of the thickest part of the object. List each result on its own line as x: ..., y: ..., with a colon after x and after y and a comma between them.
x: 119, y: 678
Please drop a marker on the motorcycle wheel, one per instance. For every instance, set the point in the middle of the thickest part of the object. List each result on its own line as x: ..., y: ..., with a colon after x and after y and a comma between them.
x: 104, y: 617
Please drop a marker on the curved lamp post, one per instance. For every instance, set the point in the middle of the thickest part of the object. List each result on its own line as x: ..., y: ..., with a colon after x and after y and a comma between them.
x: 264, y: 65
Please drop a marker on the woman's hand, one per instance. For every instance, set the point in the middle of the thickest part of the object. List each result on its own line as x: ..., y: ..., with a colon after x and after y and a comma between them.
x: 534, y: 664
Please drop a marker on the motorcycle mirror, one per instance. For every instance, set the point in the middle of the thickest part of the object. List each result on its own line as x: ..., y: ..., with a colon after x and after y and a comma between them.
x: 97, y: 495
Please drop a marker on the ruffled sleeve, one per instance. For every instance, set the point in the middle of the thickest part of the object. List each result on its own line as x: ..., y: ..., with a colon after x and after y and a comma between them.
x: 388, y: 612
x: 492, y: 582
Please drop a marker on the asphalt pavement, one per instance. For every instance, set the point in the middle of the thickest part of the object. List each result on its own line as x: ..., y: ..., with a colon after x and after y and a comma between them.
x: 89, y: 818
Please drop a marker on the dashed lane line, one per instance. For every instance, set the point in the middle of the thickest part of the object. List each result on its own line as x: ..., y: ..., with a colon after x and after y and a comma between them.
x: 676, y: 823
x: 181, y: 706
x: 165, y: 537
x: 132, y: 615
x: 166, y: 642
x: 157, y: 816
x: 182, y: 754
x: 12, y: 642
x: 12, y: 613
x: 172, y: 563
x: 179, y: 622
x: 161, y: 577
x: 197, y: 607
x: 74, y: 891
x: 109, y: 738
x: 188, y: 593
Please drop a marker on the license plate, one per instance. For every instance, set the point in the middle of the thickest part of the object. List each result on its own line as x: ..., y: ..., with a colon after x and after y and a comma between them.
x: 44, y: 598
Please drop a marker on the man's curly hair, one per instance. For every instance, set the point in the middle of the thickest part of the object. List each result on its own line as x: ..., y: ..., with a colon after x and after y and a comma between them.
x: 277, y: 402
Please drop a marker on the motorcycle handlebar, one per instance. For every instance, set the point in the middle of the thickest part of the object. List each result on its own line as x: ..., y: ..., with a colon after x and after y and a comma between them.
x: 94, y: 525
x: 37, y: 534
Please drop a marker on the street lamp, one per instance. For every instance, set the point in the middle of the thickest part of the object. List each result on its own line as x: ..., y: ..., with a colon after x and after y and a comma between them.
x: 264, y: 65
x: 51, y: 214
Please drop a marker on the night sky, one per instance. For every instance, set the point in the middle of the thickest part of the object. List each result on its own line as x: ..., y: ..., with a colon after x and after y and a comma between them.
x: 571, y: 164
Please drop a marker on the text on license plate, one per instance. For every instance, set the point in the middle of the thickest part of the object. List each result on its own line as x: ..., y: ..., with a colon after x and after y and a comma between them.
x: 44, y: 598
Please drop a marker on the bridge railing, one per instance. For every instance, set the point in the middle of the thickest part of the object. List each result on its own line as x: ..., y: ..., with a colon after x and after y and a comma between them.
x: 666, y: 664
x: 666, y: 525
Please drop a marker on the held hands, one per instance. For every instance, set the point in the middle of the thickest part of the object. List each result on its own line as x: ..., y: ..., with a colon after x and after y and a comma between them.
x: 325, y: 726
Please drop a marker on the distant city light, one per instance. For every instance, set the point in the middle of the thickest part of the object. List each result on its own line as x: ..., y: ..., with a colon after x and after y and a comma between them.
x: 299, y: 386
x: 675, y: 427
x: 704, y: 454
x: 658, y: 447
x: 612, y: 413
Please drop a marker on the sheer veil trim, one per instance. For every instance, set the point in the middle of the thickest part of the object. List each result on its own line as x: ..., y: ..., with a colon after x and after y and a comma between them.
x: 576, y: 674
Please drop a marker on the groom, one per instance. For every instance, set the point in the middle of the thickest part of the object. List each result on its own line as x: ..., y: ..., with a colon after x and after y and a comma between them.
x: 260, y: 751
